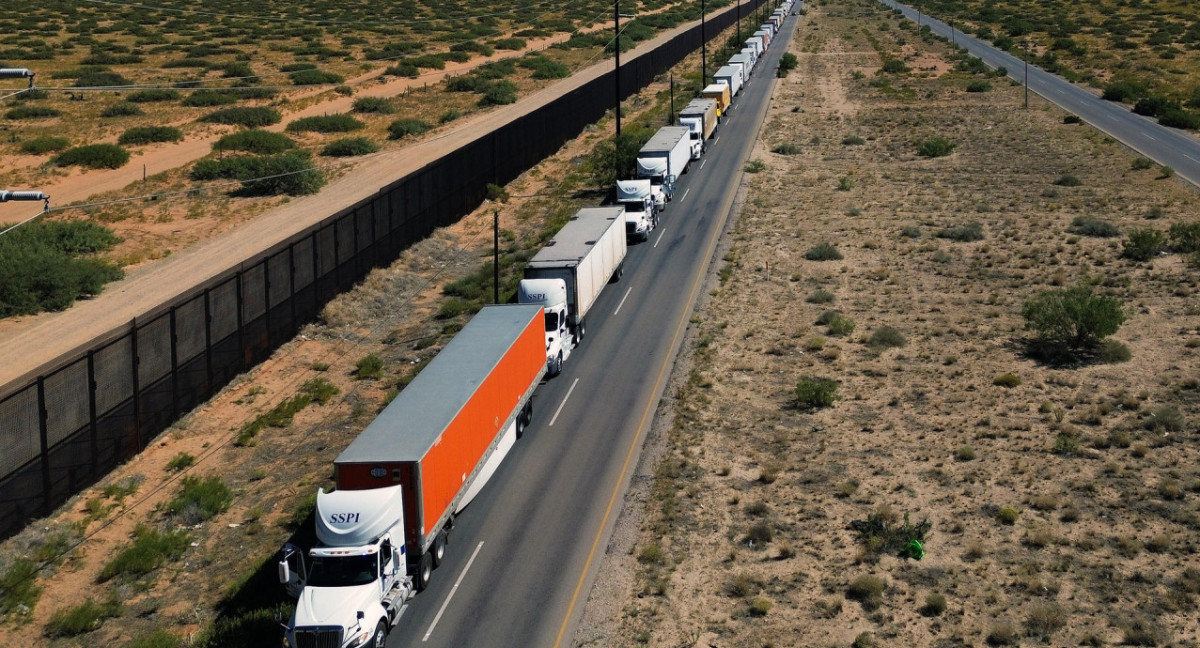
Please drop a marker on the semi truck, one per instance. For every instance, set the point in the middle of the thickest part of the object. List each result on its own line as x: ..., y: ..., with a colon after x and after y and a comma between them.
x: 746, y: 62
x: 752, y: 54
x: 700, y: 118
x: 764, y: 33
x: 755, y: 43
x: 664, y: 158
x: 566, y: 276
x: 641, y: 214
x: 731, y: 76
x: 718, y: 92
x: 401, y: 483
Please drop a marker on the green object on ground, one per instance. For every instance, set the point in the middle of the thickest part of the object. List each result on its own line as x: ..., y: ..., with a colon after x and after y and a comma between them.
x: 913, y: 549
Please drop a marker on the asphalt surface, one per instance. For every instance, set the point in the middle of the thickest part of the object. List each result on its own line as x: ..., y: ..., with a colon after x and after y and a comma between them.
x: 523, y: 556
x: 1168, y: 146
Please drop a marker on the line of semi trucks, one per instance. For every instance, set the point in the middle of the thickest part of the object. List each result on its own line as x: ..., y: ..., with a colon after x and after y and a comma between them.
x: 400, y: 484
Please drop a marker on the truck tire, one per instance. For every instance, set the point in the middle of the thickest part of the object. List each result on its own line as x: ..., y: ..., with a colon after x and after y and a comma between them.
x: 424, y: 572
x: 439, y: 549
x: 556, y: 366
x: 379, y: 639
x: 582, y: 332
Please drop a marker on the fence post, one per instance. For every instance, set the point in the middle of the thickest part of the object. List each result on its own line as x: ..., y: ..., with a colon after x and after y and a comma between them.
x: 241, y: 328
x: 91, y: 366
x: 295, y: 326
x: 208, y: 351
x: 137, y: 387
x: 267, y: 297
x: 174, y: 366
x: 43, y: 438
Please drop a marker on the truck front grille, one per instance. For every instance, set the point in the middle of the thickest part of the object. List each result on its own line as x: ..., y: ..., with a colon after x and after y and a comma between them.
x: 318, y: 638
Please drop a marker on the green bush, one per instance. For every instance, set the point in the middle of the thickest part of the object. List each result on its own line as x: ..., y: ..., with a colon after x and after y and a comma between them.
x: 1179, y: 118
x: 511, y: 44
x: 248, y: 116
x: 325, y: 124
x: 788, y: 62
x: 81, y: 619
x: 814, y: 393
x: 936, y: 147
x: 122, y: 109
x: 289, y: 173
x: 963, y: 233
x: 1091, y: 226
x: 786, y: 148
x: 821, y: 296
x: 1141, y: 163
x: 349, y: 146
x: 150, y: 96
x: 1009, y: 380
x: 1008, y: 515
x: 823, y: 252
x: 180, y: 462
x: 886, y: 337
x: 1143, y: 244
x: 297, y: 67
x: 894, y: 66
x: 18, y: 587
x: 407, y: 126
x: 545, y: 68
x: 44, y: 144
x: 1072, y: 319
x: 1067, y: 180
x: 319, y: 390
x: 449, y: 116
x: 314, y: 77
x: 93, y: 156
x: 208, y: 98
x: 98, y: 78
x: 46, y: 268
x: 867, y: 590
x: 935, y: 605
x: 368, y: 367
x: 853, y: 140
x: 882, y: 532
x: 499, y: 93
x: 199, y: 500
x: 979, y: 86
x: 1185, y: 237
x: 149, y: 551
x: 32, y: 112
x: 256, y: 141
x: 375, y: 105
x: 755, y: 166
x: 149, y: 135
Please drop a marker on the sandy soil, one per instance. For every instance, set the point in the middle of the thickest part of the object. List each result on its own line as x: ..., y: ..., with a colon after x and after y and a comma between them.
x: 738, y: 533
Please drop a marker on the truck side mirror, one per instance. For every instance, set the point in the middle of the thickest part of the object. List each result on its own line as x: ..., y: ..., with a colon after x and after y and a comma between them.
x: 285, y: 572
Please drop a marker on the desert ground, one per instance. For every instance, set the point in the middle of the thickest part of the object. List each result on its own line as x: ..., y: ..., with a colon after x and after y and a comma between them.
x: 1063, y: 500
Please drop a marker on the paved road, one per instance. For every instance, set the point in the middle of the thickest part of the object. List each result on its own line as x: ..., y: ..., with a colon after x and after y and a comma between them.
x: 524, y: 555
x: 1172, y: 147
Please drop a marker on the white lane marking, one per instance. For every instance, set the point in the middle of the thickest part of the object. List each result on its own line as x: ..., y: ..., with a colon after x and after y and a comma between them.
x: 452, y: 591
x: 564, y: 402
x: 627, y: 291
x: 660, y: 238
x: 716, y: 139
x: 685, y: 193
x: 1190, y: 158
x: 1152, y: 137
x: 702, y: 163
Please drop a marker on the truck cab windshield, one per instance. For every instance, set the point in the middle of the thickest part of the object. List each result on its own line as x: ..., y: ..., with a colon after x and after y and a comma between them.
x: 343, y: 571
x: 634, y: 207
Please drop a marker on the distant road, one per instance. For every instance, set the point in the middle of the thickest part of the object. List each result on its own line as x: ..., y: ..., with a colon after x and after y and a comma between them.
x: 1168, y: 146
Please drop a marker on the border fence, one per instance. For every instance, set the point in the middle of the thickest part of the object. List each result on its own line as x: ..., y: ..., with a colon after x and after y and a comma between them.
x: 89, y: 411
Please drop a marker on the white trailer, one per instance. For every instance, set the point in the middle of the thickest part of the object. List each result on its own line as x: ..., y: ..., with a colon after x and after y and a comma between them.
x: 664, y: 158
x: 566, y: 276
x: 641, y: 214
x: 756, y: 43
x: 730, y: 76
x: 746, y: 61
x: 752, y: 53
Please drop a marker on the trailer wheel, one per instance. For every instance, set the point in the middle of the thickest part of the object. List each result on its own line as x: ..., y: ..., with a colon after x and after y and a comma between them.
x: 582, y: 331
x: 556, y: 366
x: 424, y: 572
x: 439, y: 549
x: 379, y: 639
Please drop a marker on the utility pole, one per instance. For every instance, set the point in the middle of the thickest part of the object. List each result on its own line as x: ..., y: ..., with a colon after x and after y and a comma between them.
x: 703, y: 48
x: 739, y: 20
x: 495, y: 256
x: 672, y: 117
x: 1027, y: 73
x: 617, y: 75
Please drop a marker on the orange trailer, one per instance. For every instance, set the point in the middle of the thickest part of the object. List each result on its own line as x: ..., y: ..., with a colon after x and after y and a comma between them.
x: 447, y: 431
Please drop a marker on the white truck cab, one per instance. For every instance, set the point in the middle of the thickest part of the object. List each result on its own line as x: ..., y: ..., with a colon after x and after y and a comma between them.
x: 551, y: 294
x: 350, y: 589
x: 641, y: 211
